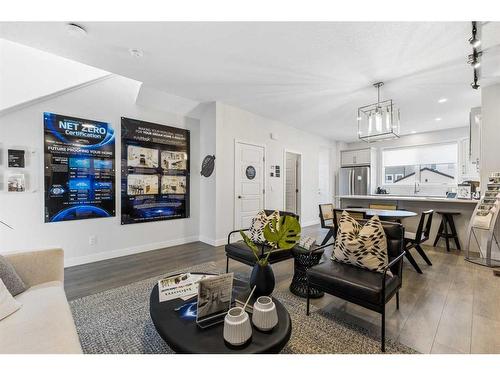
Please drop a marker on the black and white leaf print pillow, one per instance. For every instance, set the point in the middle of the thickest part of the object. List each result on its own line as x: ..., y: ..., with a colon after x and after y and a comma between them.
x: 258, y: 224
x: 363, y: 246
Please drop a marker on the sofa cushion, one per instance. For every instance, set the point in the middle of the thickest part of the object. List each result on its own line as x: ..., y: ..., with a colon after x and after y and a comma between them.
x: 43, y: 325
x: 8, y: 305
x: 342, y: 280
x: 11, y: 279
x: 363, y: 246
x: 258, y: 224
x: 240, y: 251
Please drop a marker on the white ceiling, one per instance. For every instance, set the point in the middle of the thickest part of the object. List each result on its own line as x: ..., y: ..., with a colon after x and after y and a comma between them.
x: 309, y: 75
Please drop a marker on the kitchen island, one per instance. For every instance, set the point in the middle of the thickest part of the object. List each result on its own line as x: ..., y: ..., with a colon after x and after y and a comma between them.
x: 418, y: 204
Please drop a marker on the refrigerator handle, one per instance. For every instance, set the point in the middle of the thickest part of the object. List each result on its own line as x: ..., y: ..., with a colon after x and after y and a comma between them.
x: 351, y: 182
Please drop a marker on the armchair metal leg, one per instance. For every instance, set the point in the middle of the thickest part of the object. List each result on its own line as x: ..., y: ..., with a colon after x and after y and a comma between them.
x: 423, y: 254
x: 227, y: 264
x: 308, y: 291
x: 412, y: 261
x: 397, y: 300
x: 383, y: 330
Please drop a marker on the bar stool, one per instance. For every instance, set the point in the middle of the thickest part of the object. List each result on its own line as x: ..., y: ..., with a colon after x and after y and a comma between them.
x: 447, y: 222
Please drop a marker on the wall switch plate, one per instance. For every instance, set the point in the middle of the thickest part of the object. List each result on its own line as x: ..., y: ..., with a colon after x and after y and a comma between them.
x: 92, y: 240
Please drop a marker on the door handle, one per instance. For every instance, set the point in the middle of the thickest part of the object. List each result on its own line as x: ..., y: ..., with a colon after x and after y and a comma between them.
x: 239, y: 196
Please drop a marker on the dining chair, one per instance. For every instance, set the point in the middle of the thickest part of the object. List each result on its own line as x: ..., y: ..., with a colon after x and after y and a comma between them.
x: 378, y: 206
x: 413, y: 240
x: 337, y: 214
x: 326, y: 219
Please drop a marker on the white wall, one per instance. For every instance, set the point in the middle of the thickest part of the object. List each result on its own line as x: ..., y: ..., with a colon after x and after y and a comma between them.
x: 490, y: 142
x: 106, y: 100
x: 236, y: 124
x: 27, y: 73
x: 208, y: 205
x: 490, y: 132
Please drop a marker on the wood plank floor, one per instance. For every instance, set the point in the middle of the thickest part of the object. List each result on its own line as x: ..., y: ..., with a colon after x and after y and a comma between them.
x: 453, y: 307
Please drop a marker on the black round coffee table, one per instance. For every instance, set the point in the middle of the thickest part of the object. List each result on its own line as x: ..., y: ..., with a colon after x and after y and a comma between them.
x: 184, y: 336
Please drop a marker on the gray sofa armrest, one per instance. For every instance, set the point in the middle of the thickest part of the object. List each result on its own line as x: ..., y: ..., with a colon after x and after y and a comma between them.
x: 38, y: 266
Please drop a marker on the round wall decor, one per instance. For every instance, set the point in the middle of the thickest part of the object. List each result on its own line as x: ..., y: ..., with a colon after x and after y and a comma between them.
x: 208, y: 165
x: 250, y: 172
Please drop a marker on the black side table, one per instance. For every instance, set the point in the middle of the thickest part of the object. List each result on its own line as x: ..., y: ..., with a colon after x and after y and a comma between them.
x: 304, y: 259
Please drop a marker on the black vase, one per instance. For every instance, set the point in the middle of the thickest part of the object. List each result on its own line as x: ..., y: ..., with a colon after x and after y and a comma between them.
x: 262, y: 278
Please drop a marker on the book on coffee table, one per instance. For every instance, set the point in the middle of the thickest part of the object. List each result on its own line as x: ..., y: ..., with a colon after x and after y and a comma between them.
x: 183, y: 286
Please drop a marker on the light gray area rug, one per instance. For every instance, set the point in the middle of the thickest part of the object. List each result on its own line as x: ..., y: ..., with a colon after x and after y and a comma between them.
x: 117, y: 321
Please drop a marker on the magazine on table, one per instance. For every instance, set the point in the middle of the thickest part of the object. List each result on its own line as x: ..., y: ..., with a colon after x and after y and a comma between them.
x: 183, y: 286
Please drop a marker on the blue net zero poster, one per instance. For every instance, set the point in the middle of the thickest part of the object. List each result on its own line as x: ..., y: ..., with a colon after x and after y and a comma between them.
x: 155, y: 172
x: 79, y: 168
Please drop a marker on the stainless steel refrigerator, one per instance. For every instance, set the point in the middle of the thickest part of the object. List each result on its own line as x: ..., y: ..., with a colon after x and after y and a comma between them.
x: 354, y: 181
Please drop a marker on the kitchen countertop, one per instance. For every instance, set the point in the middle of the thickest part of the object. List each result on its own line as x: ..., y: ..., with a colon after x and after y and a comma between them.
x: 389, y: 197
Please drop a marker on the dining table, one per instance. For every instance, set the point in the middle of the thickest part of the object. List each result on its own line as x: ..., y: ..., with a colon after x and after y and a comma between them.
x: 384, y: 215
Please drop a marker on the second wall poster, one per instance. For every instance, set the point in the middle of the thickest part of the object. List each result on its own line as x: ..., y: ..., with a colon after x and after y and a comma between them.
x: 155, y: 172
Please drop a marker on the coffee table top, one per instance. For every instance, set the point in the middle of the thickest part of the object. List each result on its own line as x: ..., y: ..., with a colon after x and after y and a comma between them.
x: 184, y: 336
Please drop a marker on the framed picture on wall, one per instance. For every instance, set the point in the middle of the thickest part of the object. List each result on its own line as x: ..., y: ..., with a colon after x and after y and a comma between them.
x: 79, y: 158
x: 155, y: 172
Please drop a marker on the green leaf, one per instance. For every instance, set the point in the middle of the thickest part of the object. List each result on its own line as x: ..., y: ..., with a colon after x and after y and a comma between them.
x: 283, y: 234
x: 250, y: 244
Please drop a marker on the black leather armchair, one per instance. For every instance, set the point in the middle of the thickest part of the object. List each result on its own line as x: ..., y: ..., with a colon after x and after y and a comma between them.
x: 369, y: 289
x: 240, y: 252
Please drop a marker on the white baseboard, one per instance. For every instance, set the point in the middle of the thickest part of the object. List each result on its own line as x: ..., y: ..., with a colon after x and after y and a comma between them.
x: 309, y: 223
x: 75, y: 261
x: 212, y: 242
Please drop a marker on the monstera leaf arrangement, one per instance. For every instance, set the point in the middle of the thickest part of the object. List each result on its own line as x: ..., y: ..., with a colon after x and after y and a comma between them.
x: 282, y: 234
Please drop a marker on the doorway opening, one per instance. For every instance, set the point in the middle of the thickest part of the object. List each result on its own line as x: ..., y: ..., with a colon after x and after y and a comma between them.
x: 293, y: 182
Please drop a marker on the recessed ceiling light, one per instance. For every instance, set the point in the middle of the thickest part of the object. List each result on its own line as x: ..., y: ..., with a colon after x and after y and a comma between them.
x: 136, y: 52
x: 76, y: 30
x: 438, y: 118
x: 442, y: 100
x: 413, y: 131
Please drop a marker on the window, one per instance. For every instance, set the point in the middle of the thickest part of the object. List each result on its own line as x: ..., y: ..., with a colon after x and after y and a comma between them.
x: 430, y: 164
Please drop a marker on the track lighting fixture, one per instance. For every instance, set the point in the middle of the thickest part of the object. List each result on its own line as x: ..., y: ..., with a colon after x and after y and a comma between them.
x: 474, y: 84
x: 474, y: 40
x: 474, y: 59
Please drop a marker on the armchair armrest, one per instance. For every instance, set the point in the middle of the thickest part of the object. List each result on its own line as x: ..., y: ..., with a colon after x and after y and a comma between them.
x: 394, y: 261
x: 399, y: 258
x: 323, y: 247
x: 38, y: 266
x: 233, y: 232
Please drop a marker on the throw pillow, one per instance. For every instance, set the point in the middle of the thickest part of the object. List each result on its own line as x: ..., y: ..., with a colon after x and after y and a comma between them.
x: 8, y: 305
x: 363, y: 246
x: 258, y: 224
x: 11, y: 279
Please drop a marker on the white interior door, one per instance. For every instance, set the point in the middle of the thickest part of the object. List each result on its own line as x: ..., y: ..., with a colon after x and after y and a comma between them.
x: 292, y: 183
x: 248, y: 182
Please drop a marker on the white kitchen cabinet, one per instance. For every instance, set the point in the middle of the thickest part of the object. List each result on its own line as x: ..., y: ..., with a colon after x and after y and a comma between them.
x: 475, y: 135
x: 355, y: 157
x: 468, y: 168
